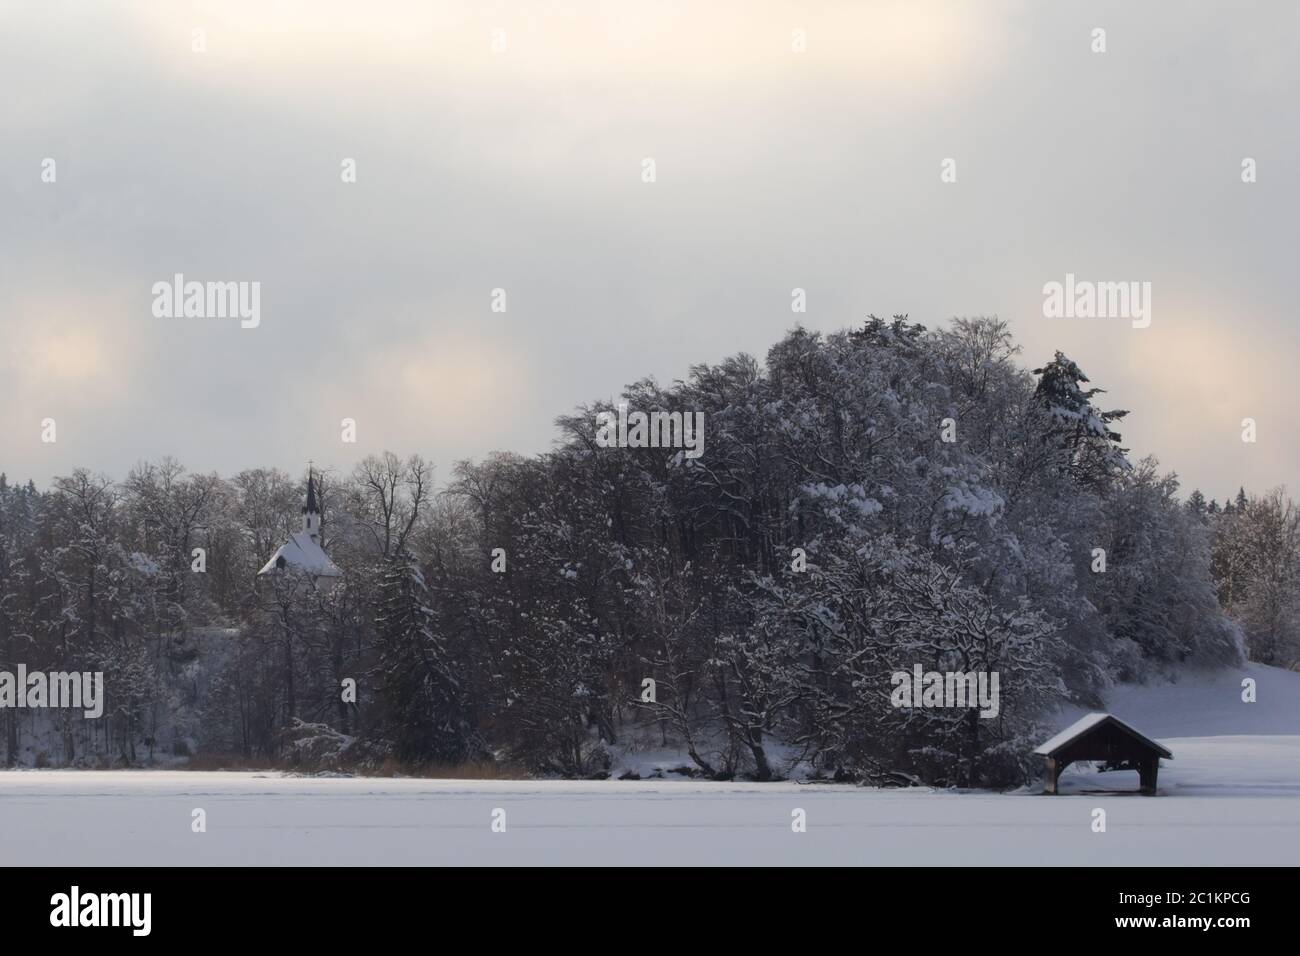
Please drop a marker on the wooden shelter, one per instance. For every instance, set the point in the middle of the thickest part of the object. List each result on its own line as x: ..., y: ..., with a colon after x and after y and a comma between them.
x: 1108, y: 739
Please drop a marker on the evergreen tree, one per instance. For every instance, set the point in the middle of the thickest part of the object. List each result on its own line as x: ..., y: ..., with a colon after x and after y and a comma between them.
x: 1082, y: 430
x: 420, y: 696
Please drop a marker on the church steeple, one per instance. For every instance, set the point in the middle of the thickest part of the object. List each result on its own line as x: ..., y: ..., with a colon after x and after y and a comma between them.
x: 311, y: 511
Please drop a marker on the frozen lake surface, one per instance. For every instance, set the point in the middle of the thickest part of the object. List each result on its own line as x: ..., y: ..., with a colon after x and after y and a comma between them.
x: 1231, y: 796
x: 144, y: 817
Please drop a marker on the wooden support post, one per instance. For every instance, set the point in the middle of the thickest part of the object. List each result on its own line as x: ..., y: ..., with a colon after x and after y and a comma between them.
x: 1051, y: 773
x: 1147, y: 773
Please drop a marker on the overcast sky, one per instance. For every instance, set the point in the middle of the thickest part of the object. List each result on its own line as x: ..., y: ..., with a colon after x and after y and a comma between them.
x: 522, y: 170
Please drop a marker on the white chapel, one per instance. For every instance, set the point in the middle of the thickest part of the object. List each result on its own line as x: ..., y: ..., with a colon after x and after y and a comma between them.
x: 303, y: 551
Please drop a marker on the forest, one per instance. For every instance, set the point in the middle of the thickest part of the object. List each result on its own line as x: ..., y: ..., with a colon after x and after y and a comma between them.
x: 867, y: 501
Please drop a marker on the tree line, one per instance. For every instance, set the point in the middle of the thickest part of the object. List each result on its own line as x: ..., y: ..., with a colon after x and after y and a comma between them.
x: 869, y: 500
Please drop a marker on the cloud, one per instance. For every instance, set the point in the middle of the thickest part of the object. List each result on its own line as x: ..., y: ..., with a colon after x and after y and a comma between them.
x: 1191, y: 383
x: 893, y: 44
x: 59, y: 347
x: 521, y: 170
x: 441, y: 390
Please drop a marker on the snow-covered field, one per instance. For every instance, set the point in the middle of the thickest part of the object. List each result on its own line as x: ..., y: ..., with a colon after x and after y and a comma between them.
x: 1230, y: 796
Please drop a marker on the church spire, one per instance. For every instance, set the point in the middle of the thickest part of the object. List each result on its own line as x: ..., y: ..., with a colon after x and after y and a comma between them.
x: 311, y: 510
x: 311, y: 494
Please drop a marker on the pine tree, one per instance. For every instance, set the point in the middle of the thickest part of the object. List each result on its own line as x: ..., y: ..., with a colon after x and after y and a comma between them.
x: 420, y: 696
x: 1082, y: 429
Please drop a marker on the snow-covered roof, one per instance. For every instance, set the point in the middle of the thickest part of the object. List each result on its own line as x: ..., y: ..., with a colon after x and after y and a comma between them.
x: 304, y: 554
x: 1087, y: 723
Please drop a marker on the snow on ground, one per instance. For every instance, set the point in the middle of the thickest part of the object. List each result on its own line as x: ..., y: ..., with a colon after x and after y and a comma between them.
x: 143, y: 817
x: 1221, y: 745
x: 1230, y: 796
x: 1210, y: 705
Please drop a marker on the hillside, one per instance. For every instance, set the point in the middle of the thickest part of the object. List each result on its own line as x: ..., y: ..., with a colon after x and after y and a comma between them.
x: 1222, y: 746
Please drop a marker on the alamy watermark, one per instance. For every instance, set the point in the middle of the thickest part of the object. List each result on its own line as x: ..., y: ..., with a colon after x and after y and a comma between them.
x: 651, y: 430
x: 208, y: 300
x: 82, y: 691
x: 75, y: 908
x: 1083, y: 299
x: 923, y: 688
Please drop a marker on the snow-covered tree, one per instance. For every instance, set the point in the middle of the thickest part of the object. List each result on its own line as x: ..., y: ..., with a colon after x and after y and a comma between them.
x: 424, y: 707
